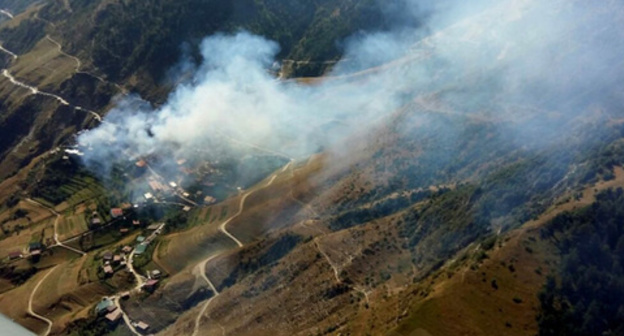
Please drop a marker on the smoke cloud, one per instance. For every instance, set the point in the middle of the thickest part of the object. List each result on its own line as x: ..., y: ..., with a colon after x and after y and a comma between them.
x: 491, y: 58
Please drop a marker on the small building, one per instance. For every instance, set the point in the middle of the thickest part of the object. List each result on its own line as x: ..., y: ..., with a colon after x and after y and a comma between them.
x: 35, y: 253
x: 108, y: 270
x: 102, y: 306
x: 124, y: 230
x: 140, y: 239
x: 140, y: 249
x: 154, y: 226
x: 186, y: 208
x: 136, y: 223
x: 116, y: 258
x: 141, y: 163
x: 126, y: 249
x: 150, y: 285
x: 35, y: 246
x: 156, y: 274
x: 15, y: 255
x: 114, y: 316
x: 116, y: 212
x: 142, y: 326
x: 173, y: 184
x: 148, y: 196
x: 107, y: 256
x: 96, y: 221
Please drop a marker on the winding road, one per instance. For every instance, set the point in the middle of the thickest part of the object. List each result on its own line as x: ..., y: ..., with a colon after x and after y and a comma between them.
x: 36, y: 91
x: 140, y: 282
x: 8, y: 52
x: 57, y: 242
x: 202, y: 270
x: 79, y: 65
x: 30, y: 300
x: 125, y: 316
x: 223, y: 228
x: 7, y: 13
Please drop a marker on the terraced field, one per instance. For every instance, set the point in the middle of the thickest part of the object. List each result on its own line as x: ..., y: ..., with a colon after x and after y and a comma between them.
x: 82, y: 190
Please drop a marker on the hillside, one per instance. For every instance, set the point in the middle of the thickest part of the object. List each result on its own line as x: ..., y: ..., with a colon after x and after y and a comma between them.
x: 87, y: 52
x: 452, y: 176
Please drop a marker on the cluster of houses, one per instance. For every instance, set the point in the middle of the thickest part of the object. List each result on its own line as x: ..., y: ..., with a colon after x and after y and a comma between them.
x: 112, y: 314
x: 110, y: 260
x: 107, y: 308
x: 158, y: 187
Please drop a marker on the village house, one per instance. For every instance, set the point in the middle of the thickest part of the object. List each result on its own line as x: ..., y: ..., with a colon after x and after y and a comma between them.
x: 96, y: 221
x: 142, y: 326
x: 154, y: 226
x: 140, y: 249
x: 116, y: 259
x: 35, y: 246
x: 126, y: 249
x: 140, y: 239
x: 150, y: 285
x: 15, y: 255
x: 116, y: 212
x: 136, y: 223
x: 107, y: 256
x: 156, y: 274
x: 114, y: 316
x: 108, y: 270
x: 103, y: 305
x: 124, y: 230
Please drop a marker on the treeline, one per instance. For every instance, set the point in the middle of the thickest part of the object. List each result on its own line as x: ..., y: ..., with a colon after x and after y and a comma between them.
x: 587, y: 295
x: 147, y: 35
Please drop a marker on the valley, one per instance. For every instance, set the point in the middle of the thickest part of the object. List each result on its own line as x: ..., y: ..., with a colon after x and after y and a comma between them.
x: 167, y: 169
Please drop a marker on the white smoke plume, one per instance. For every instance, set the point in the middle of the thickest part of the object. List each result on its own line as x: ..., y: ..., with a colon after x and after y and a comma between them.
x: 545, y: 54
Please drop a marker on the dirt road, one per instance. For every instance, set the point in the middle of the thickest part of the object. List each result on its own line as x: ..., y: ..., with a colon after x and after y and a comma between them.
x: 30, y: 301
x: 57, y: 242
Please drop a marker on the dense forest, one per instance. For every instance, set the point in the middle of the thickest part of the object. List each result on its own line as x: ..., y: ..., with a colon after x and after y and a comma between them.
x: 587, y: 295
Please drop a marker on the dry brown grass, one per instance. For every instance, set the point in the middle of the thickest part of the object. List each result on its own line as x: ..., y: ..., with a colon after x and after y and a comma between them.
x: 43, y: 66
x: 14, y: 304
x: 467, y: 304
x: 19, y: 242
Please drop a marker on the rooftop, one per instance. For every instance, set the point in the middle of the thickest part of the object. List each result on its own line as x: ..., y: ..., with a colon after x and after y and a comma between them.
x: 140, y: 249
x: 150, y: 283
x: 116, y: 212
x: 114, y: 316
x: 154, y: 226
x: 142, y: 325
x: 103, y: 305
